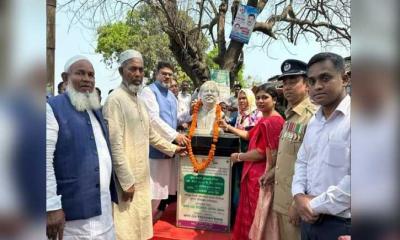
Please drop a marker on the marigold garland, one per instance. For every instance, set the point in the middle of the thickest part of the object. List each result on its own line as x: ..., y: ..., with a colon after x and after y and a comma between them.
x: 205, y: 161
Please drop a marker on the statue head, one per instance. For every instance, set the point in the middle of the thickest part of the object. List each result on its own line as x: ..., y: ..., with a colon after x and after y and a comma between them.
x: 209, y: 93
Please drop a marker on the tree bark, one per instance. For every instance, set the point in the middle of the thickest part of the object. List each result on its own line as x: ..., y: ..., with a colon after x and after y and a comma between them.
x: 51, y: 43
x: 231, y: 61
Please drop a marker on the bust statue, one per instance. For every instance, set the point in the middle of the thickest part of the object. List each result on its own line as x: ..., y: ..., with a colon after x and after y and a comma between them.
x: 209, y: 96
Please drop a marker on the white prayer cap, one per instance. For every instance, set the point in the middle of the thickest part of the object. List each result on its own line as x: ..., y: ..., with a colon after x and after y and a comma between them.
x: 73, y: 60
x: 129, y: 54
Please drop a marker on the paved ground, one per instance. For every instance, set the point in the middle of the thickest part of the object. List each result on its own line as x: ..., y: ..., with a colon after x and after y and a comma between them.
x: 165, y: 229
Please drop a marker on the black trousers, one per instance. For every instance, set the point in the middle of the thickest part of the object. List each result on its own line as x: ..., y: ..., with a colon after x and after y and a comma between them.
x: 326, y: 228
x: 165, y: 202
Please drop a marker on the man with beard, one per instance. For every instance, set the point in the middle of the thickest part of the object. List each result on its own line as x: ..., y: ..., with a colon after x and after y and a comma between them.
x: 184, y: 101
x: 162, y: 107
x: 78, y: 160
x: 174, y: 88
x: 321, y: 182
x: 298, y: 113
x: 130, y: 135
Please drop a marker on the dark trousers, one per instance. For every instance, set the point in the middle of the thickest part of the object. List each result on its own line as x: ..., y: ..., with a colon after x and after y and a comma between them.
x: 165, y: 202
x: 326, y: 228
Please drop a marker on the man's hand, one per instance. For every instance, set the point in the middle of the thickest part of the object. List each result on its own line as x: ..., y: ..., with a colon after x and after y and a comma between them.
x: 223, y: 124
x: 267, y: 179
x: 181, y: 151
x: 304, y: 209
x: 128, y: 194
x: 55, y: 224
x: 294, y: 217
x: 182, y: 140
x: 234, y: 158
x: 347, y: 237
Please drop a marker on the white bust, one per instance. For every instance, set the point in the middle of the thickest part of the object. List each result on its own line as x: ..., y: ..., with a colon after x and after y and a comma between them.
x: 209, y: 95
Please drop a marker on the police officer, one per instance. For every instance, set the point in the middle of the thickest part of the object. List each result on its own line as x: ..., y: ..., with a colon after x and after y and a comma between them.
x: 298, y: 113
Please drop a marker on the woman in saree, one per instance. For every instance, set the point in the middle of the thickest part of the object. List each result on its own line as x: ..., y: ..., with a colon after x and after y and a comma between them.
x: 248, y: 116
x: 263, y: 136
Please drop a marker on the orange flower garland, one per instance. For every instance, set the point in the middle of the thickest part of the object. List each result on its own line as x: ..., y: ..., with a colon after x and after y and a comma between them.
x: 205, y: 162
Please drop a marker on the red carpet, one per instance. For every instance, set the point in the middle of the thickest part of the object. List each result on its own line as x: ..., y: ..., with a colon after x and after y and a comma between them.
x: 165, y: 229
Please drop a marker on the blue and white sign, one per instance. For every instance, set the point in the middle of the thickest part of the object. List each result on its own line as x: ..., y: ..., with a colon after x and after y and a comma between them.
x: 244, y: 23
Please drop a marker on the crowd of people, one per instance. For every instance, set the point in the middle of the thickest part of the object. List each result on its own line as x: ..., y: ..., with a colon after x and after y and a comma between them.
x: 111, y: 170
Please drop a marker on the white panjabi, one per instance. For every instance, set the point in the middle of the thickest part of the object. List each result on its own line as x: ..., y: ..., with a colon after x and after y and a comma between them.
x: 73, y: 60
x: 129, y: 54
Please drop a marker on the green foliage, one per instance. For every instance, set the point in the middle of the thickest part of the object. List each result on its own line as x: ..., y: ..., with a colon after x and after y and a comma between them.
x: 212, y: 65
x: 210, y: 58
x: 241, y: 79
x: 141, y: 31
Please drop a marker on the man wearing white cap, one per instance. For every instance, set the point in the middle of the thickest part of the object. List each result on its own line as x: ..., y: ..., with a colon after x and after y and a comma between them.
x: 79, y: 182
x: 130, y: 136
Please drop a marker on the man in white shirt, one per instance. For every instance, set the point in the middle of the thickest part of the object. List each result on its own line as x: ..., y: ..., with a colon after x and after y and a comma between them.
x: 162, y: 107
x: 184, y: 100
x: 78, y: 160
x: 321, y: 183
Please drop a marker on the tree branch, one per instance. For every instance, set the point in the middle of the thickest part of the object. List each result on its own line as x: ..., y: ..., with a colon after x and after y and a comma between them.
x: 223, y: 8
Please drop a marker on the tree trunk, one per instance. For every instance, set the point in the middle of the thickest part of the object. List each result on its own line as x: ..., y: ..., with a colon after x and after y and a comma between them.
x: 232, y: 62
x: 190, y: 62
x: 51, y: 43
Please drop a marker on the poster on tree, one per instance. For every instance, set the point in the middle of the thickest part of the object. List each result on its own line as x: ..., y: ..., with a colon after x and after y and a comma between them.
x: 244, y: 23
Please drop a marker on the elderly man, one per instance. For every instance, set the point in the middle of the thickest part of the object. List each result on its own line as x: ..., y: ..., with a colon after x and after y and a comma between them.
x: 184, y: 100
x: 78, y: 160
x: 174, y: 88
x: 162, y: 107
x: 195, y: 95
x: 209, y: 95
x: 130, y: 136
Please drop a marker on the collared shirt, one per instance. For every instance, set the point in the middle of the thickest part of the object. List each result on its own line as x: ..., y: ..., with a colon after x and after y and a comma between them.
x: 98, y: 227
x: 184, y: 101
x: 148, y: 97
x: 322, y: 167
x: 292, y: 134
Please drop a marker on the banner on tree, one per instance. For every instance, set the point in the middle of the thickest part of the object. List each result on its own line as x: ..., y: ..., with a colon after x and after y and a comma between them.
x: 244, y: 23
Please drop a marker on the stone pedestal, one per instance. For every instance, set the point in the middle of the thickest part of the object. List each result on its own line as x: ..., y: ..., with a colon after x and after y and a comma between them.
x: 204, y: 198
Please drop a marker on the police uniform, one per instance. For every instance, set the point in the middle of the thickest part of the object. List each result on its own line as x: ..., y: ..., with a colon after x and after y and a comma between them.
x: 290, y: 140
